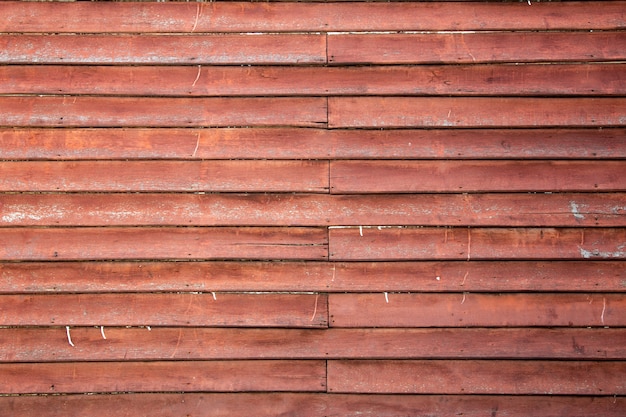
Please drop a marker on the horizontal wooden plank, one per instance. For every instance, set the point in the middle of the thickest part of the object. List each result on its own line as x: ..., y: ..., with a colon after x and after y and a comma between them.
x: 426, y: 112
x: 272, y: 404
x: 274, y: 17
x: 475, y: 47
x: 406, y: 243
x: 160, y: 112
x: 475, y: 276
x: 96, y: 243
x: 477, y: 377
x: 140, y: 344
x: 488, y: 80
x: 469, y: 176
x: 476, y: 310
x: 204, y: 309
x: 160, y: 49
x: 560, y: 209
x: 295, y: 143
x: 161, y: 176
x: 229, y: 376
x: 455, y: 276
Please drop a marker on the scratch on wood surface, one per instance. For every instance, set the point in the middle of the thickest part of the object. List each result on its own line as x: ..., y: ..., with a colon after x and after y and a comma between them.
x: 386, y: 297
x: 214, y: 295
x: 102, y: 332
x: 469, y: 243
x: 603, y: 310
x: 197, y: 76
x: 197, y: 144
x: 180, y: 336
x: 464, y: 278
x: 198, y: 13
x: 463, y: 300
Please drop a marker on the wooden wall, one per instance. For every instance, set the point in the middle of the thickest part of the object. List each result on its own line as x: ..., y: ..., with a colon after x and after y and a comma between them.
x: 315, y: 209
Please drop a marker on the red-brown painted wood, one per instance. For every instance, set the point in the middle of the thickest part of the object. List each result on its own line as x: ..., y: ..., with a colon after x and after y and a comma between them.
x: 455, y: 276
x: 159, y: 49
x: 204, y: 309
x: 491, y: 80
x: 160, y: 112
x: 60, y: 244
x: 477, y: 377
x: 476, y: 47
x: 134, y: 344
x: 408, y: 243
x: 470, y: 176
x: 272, y: 404
x: 273, y: 17
x: 457, y: 112
x: 230, y: 376
x: 294, y: 143
x: 476, y: 310
x: 159, y: 176
x: 561, y: 209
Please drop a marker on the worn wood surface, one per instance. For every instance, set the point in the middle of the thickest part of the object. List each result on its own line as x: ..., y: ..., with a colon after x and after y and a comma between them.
x: 407, y: 243
x: 290, y: 143
x: 457, y: 112
x: 202, y: 80
x: 228, y: 405
x: 469, y: 176
x: 162, y: 176
x: 152, y: 209
x: 202, y: 343
x: 226, y: 376
x: 476, y: 377
x: 476, y: 310
x: 232, y: 276
x: 278, y: 17
x: 58, y: 244
x: 334, y: 208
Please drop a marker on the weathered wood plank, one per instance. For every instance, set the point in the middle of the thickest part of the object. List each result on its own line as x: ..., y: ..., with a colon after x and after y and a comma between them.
x: 272, y: 404
x: 456, y: 276
x: 469, y: 176
x: 390, y: 112
x: 205, y: 309
x: 229, y: 376
x: 407, y: 243
x: 476, y: 310
x: 274, y: 17
x: 467, y: 80
x: 294, y: 143
x: 160, y: 112
x: 477, y: 377
x: 96, y: 243
x: 140, y: 344
x: 160, y: 49
x: 561, y: 209
x: 470, y: 48
x: 161, y: 176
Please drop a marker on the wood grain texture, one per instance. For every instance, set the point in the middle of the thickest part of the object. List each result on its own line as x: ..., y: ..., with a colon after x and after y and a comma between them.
x: 274, y: 17
x: 271, y: 404
x: 140, y: 344
x: 160, y: 176
x: 476, y: 310
x: 477, y: 377
x: 204, y: 309
x: 229, y: 376
x: 168, y: 209
x: 407, y: 243
x: 58, y: 244
x: 483, y: 80
x: 159, y: 49
x: 469, y: 176
x: 160, y: 112
x: 296, y: 143
x: 468, y: 48
x: 232, y: 276
x: 457, y: 112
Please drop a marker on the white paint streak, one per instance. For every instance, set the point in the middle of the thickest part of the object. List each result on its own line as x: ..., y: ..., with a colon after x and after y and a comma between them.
x: 317, y: 296
x: 102, y: 332
x: 361, y: 231
x: 214, y: 296
x: 197, y: 76
x: 387, y: 298
x: 69, y: 338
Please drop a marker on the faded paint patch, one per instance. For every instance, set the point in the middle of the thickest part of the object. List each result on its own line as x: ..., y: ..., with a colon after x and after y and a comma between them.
x: 576, y: 211
x: 596, y: 253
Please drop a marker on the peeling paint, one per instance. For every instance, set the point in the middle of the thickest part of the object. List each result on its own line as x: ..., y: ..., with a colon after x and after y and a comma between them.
x: 596, y: 253
x: 575, y: 211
